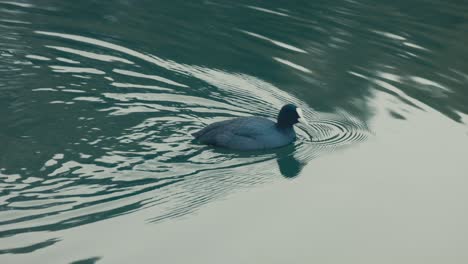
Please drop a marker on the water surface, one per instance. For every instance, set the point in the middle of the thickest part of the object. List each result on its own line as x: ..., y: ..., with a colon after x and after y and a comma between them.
x: 98, y: 101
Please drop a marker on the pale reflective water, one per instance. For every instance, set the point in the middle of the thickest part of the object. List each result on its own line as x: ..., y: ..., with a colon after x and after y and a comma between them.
x: 98, y: 100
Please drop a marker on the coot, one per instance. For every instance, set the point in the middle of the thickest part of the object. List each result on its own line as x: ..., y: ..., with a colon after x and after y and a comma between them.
x: 253, y: 133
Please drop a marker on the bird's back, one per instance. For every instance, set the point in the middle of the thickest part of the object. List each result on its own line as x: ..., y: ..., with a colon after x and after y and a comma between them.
x: 245, y: 133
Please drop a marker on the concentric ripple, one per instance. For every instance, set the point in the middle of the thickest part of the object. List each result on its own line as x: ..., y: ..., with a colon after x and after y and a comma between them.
x: 336, y: 133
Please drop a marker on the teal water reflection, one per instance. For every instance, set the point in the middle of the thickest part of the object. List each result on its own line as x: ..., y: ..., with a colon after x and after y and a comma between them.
x: 98, y: 100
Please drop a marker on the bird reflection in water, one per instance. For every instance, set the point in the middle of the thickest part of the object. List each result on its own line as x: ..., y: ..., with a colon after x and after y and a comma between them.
x: 288, y: 164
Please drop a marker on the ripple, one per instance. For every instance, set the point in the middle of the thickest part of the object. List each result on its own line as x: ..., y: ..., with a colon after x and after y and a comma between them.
x: 292, y: 65
x: 140, y: 86
x: 91, y: 55
x: 147, y: 76
x: 37, y: 57
x: 334, y: 132
x: 68, y: 69
x: 276, y: 42
x: 130, y: 146
x: 265, y: 10
x: 326, y: 133
x: 25, y: 5
x: 30, y: 248
x: 67, y: 60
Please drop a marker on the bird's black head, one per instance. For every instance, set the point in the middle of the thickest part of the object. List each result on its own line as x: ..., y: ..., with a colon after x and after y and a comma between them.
x: 289, y: 115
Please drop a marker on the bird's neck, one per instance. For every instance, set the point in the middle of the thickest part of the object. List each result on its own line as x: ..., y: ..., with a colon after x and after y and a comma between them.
x: 284, y: 126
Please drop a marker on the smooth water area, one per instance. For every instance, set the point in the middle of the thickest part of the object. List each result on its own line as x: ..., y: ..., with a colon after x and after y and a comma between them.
x: 98, y: 100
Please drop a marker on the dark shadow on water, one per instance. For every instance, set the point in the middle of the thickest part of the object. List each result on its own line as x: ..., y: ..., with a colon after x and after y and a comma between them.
x: 87, y: 261
x: 31, y: 248
x: 288, y: 165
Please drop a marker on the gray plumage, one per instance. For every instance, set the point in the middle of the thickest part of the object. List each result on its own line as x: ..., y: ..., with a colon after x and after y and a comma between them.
x: 252, y: 133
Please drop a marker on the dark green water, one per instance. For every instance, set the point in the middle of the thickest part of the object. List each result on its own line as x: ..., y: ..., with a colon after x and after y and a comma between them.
x: 98, y: 100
